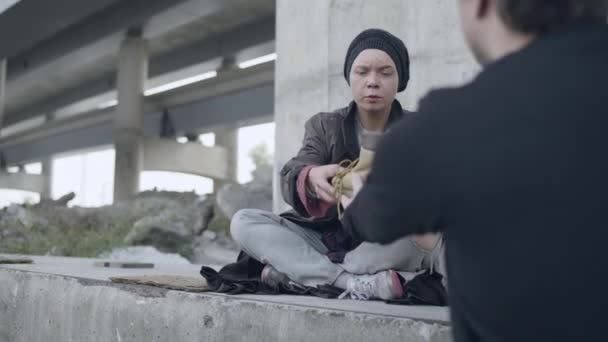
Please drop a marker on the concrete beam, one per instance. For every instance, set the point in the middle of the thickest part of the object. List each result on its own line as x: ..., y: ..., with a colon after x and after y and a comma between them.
x: 241, y: 97
x: 101, y: 19
x: 206, y: 49
x: 22, y: 181
x: 17, y: 35
x: 193, y: 158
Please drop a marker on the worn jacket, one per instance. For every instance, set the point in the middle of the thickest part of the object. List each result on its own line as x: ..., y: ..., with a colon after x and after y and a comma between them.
x: 329, y: 138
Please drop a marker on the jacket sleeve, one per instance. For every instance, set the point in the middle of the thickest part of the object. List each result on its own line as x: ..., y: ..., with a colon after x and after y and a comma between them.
x: 402, y: 194
x: 314, y: 151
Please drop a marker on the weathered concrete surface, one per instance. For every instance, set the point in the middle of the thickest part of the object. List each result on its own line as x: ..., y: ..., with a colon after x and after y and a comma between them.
x: 72, y: 301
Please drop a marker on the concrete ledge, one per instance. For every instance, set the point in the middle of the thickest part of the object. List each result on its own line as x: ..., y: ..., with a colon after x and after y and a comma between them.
x: 50, y: 307
x: 22, y: 181
x: 193, y: 158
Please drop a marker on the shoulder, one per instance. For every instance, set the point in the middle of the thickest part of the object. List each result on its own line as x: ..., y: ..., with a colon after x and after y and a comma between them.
x: 438, y: 112
x: 327, y: 120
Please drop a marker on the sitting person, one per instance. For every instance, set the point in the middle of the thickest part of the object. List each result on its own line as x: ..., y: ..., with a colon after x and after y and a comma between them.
x: 307, y: 245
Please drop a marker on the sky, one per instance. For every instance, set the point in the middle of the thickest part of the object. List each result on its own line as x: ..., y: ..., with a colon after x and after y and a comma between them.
x: 90, y: 173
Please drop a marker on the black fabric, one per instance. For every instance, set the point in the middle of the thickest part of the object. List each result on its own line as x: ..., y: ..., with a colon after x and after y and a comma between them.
x: 425, y: 289
x: 167, y: 128
x: 338, y: 243
x: 243, y: 277
x: 380, y: 40
x: 513, y: 169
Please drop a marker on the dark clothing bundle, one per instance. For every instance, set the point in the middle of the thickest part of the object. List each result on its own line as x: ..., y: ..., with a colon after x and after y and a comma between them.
x: 513, y: 169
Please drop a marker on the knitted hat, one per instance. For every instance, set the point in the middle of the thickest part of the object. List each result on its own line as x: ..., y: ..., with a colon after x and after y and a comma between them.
x: 381, y: 40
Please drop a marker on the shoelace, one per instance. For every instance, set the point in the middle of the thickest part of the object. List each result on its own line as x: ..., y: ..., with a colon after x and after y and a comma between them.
x: 360, y: 294
x: 348, y: 166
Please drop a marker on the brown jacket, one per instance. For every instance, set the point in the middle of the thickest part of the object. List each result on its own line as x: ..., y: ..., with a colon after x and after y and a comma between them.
x: 329, y: 138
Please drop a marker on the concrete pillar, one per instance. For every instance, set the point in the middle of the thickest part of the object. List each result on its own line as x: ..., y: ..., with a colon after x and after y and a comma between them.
x: 47, y: 170
x: 2, y: 91
x: 47, y: 175
x: 307, y: 83
x: 227, y: 137
x: 129, y: 117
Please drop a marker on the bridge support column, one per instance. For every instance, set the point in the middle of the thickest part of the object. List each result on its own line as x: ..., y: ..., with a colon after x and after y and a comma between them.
x: 129, y: 116
x: 227, y: 137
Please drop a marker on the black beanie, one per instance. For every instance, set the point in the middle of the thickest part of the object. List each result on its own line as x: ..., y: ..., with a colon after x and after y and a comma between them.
x: 381, y: 40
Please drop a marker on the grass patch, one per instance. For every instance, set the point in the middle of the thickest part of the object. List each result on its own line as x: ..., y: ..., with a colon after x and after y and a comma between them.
x: 83, y: 242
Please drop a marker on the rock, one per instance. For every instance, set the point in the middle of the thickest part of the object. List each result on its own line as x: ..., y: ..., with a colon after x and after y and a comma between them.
x: 262, y: 178
x: 174, y: 221
x: 231, y: 198
x: 61, y: 202
x: 21, y: 216
x: 256, y: 194
x: 166, y: 232
x: 171, y: 222
x: 203, y: 211
x: 214, y: 248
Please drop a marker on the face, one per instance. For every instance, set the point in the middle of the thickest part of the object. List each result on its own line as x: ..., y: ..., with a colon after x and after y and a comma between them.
x: 473, y: 19
x: 374, y: 81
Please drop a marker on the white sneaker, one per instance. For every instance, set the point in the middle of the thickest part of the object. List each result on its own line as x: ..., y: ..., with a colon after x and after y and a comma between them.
x: 384, y: 285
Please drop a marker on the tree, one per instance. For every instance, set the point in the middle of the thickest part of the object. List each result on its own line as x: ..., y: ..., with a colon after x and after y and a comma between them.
x: 260, y: 156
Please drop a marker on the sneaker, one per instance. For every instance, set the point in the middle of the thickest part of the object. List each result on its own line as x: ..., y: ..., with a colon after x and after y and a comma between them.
x: 272, y: 278
x: 384, y: 285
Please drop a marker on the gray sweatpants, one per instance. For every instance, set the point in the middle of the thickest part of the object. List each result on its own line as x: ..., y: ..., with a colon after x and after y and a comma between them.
x: 300, y: 253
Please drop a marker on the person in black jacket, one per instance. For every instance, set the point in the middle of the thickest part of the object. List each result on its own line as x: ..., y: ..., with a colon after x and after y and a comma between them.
x: 512, y: 168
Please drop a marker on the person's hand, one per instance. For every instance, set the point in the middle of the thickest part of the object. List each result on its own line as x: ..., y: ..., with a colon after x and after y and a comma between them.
x: 357, y: 180
x: 319, y: 179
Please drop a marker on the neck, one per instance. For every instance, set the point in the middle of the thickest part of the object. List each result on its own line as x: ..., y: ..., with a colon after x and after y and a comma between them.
x: 374, y: 122
x: 505, y: 42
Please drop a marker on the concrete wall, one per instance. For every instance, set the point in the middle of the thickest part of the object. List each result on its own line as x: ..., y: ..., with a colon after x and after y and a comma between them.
x: 312, y: 39
x: 38, y: 307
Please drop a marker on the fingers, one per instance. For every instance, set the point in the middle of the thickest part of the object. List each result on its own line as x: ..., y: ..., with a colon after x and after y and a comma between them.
x: 325, y: 196
x: 325, y: 186
x: 332, y: 170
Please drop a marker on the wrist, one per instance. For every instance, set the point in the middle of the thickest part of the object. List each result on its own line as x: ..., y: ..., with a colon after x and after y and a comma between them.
x: 310, y: 192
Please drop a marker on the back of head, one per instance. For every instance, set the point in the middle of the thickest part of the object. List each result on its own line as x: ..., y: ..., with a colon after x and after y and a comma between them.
x: 542, y: 16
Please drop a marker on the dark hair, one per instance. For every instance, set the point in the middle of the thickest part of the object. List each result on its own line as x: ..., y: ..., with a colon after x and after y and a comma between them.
x: 541, y: 16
